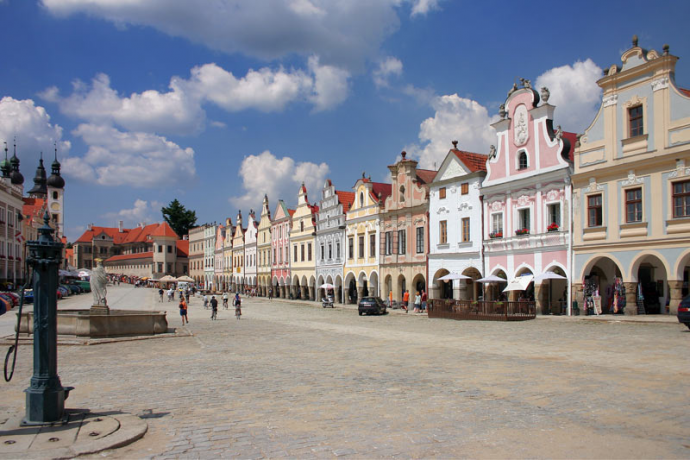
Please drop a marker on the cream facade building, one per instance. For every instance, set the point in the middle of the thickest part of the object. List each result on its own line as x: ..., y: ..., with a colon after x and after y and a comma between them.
x: 227, y: 254
x: 632, y: 190
x: 238, y: 281
x: 302, y: 256
x: 362, y: 233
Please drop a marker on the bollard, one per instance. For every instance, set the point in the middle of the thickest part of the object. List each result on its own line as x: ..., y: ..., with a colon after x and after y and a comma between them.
x: 45, y: 398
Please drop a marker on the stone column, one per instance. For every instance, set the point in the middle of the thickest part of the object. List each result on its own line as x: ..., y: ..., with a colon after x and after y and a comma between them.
x: 579, y: 296
x: 338, y: 299
x: 676, y: 295
x: 360, y: 292
x: 630, y: 298
x: 312, y: 293
x: 281, y: 291
x: 346, y: 295
x: 541, y: 298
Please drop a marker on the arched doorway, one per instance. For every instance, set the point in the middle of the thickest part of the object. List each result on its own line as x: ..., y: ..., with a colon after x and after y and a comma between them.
x: 473, y: 290
x: 441, y: 289
x: 603, y: 282
x: 374, y: 284
x: 401, y: 287
x: 388, y: 287
x: 352, y: 291
x: 652, y: 282
x: 418, y: 285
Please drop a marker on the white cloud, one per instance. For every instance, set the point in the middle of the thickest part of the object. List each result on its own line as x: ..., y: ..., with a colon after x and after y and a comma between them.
x: 30, y: 125
x: 278, y: 178
x: 344, y: 33
x: 575, y: 92
x: 180, y: 110
x: 456, y: 118
x: 330, y: 85
x: 131, y: 159
x: 387, y: 68
x: 422, y: 7
x: 142, y: 211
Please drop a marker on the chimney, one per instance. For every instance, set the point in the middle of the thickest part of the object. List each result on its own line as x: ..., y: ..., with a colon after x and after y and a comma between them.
x: 120, y: 226
x: 89, y: 227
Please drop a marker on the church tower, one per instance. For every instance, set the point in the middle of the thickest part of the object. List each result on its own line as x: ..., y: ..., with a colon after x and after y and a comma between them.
x: 55, y: 191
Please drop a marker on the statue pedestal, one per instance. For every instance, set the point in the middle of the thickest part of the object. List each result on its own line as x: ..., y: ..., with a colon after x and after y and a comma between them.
x: 100, y: 309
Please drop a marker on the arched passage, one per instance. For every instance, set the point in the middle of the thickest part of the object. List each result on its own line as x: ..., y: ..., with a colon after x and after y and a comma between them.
x: 650, y: 272
x: 603, y: 285
x: 374, y: 284
x: 441, y: 289
x: 470, y: 289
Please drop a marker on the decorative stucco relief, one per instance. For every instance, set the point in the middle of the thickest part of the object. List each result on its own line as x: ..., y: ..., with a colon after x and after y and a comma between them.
x: 465, y: 205
x: 680, y: 171
x: 611, y: 99
x: 593, y: 186
x: 632, y: 179
x: 521, y: 131
x: 442, y: 209
x: 660, y: 83
x: 497, y: 206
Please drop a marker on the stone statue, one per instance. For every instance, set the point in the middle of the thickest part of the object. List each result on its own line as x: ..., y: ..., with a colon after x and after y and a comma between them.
x: 545, y: 94
x: 559, y: 132
x: 526, y: 83
x: 513, y: 89
x: 492, y: 152
x: 99, y: 281
x: 502, y: 111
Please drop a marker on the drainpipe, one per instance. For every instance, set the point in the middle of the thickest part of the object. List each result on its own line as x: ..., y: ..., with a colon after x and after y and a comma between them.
x: 481, y: 245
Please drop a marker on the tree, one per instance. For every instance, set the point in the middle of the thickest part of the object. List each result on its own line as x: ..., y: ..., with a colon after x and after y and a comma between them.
x: 179, y: 218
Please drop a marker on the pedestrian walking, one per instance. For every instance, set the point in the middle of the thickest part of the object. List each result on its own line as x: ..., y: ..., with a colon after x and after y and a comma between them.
x: 171, y: 295
x: 205, y: 298
x: 238, y: 305
x: 160, y: 294
x: 183, y: 311
x: 424, y: 299
x: 406, y: 300
x: 270, y: 294
x: 214, y: 307
x: 417, y: 302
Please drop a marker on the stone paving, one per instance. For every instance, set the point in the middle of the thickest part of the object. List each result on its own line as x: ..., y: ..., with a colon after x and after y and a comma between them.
x: 295, y: 380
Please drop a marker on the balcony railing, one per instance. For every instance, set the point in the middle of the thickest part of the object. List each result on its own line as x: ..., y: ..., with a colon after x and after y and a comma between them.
x: 482, y: 310
x: 528, y: 241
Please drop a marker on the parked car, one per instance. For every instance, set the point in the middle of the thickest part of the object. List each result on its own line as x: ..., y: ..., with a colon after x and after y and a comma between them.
x: 371, y: 305
x: 64, y: 289
x: 684, y: 311
x: 29, y: 296
x: 14, y: 296
x: 85, y: 285
x: 10, y: 300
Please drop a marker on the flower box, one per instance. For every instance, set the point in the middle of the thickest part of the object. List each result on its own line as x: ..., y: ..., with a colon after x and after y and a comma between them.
x: 552, y: 228
x: 522, y: 231
x: 496, y: 235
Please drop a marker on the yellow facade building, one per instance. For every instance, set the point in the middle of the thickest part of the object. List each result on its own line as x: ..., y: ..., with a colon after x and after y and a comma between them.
x: 302, y: 256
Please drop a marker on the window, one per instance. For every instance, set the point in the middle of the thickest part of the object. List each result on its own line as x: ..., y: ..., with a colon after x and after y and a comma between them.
x: 337, y: 249
x: 420, y: 239
x: 402, y: 241
x: 402, y: 193
x: 554, y: 214
x: 55, y: 195
x: 389, y: 243
x: 360, y: 241
x: 443, y: 232
x: 169, y: 249
x: 681, y: 199
x: 330, y: 250
x: 160, y: 248
x: 351, y: 248
x: 524, y: 219
x: 465, y: 229
x: 442, y: 193
x: 522, y: 160
x: 594, y: 211
x: 301, y: 225
x: 465, y: 188
x: 361, y: 199
x: 301, y: 250
x: 160, y: 267
x: 633, y: 205
x: 309, y: 252
x: 323, y: 252
x: 635, y: 121
x: 372, y: 245
x: 169, y: 267
x: 295, y: 253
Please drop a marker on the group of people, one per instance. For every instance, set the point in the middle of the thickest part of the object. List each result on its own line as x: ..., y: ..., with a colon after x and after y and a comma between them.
x: 420, y: 300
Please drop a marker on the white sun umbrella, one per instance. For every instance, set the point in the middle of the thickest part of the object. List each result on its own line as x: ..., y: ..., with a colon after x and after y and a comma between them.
x: 549, y: 276
x: 326, y: 286
x: 168, y: 279
x: 519, y: 284
x: 492, y: 279
x: 454, y: 276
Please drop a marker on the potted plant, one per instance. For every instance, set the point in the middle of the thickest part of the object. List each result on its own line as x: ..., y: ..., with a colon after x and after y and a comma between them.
x: 522, y: 231
x: 553, y: 227
x: 496, y: 234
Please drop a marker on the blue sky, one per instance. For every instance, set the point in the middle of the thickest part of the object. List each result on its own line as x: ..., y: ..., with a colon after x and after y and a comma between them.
x: 217, y: 102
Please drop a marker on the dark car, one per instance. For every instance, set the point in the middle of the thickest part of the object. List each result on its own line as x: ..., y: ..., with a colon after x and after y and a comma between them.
x: 684, y: 311
x: 371, y: 305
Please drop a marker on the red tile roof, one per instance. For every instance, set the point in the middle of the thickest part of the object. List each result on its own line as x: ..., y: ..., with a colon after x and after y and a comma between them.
x: 346, y: 199
x: 138, y: 255
x: 164, y: 230
x: 114, y: 233
x: 33, y: 208
x: 380, y: 188
x: 182, y: 248
x: 572, y: 139
x: 686, y: 92
x: 473, y: 161
x: 140, y: 234
x: 291, y: 211
x: 426, y: 176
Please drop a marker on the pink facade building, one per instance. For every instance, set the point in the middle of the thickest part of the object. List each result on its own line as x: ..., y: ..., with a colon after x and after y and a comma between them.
x: 280, y: 250
x: 526, y: 200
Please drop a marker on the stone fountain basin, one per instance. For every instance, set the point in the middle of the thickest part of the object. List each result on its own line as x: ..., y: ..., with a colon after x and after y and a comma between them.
x: 85, y: 323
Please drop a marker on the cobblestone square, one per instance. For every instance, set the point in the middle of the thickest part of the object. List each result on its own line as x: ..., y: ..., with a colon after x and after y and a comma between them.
x: 295, y: 380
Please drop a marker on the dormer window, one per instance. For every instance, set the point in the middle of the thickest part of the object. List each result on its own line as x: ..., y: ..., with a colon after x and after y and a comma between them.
x: 636, y: 121
x: 522, y: 160
x: 361, y: 198
x: 301, y: 225
x: 402, y: 193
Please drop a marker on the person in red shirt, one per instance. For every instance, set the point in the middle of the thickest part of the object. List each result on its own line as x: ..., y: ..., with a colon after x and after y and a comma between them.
x: 406, y: 300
